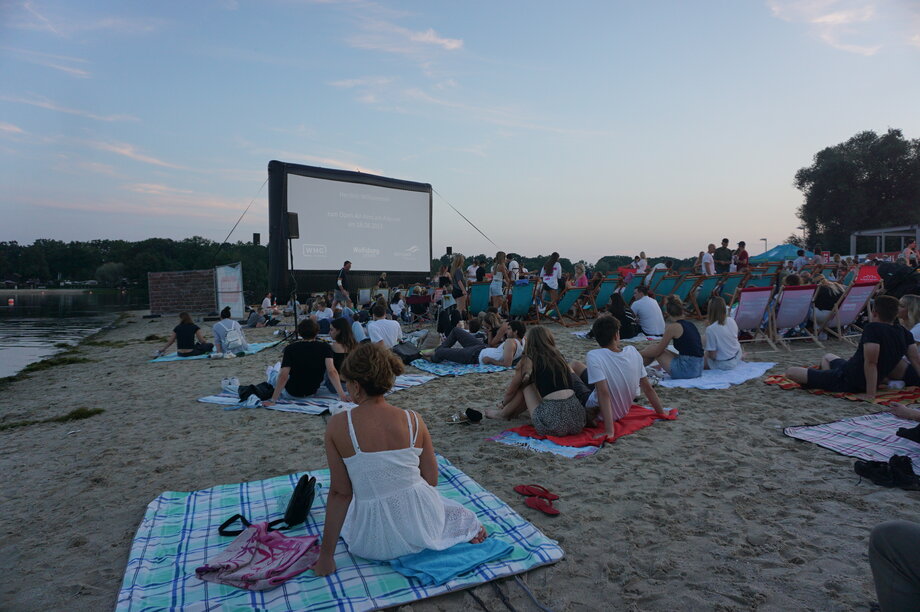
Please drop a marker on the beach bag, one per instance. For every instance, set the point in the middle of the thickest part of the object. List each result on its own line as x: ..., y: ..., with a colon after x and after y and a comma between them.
x: 233, y: 341
x: 407, y: 352
x: 298, y: 508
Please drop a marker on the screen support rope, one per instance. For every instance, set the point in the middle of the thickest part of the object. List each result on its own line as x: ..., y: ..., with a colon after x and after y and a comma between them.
x: 221, y: 245
x: 464, y: 217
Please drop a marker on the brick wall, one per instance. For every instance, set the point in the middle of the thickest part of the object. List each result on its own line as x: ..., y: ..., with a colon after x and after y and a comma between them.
x: 189, y: 290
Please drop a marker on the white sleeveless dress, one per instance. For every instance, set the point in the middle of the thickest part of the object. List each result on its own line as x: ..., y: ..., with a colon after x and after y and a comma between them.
x: 394, y: 511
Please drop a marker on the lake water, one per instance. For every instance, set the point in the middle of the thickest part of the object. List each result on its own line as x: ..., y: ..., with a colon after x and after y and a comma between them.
x: 37, y: 320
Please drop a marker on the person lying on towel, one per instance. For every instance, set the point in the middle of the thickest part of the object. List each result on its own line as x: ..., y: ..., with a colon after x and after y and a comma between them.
x: 616, y: 374
x: 492, y: 335
x: 305, y: 365
x: 881, y: 347
x: 383, y: 473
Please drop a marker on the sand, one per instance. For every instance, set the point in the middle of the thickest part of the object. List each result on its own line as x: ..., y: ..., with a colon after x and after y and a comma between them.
x: 717, y: 510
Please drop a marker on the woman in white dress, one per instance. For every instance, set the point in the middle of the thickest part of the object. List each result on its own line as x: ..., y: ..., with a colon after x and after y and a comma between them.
x: 382, y: 496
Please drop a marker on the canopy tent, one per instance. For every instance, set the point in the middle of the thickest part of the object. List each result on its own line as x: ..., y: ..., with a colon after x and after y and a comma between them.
x: 780, y: 252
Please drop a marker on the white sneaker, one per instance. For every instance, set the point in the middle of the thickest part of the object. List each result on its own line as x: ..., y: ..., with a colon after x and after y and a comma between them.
x: 895, y: 384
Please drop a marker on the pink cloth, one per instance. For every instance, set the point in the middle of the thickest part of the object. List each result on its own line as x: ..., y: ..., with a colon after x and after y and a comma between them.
x: 637, y: 418
x: 258, y: 559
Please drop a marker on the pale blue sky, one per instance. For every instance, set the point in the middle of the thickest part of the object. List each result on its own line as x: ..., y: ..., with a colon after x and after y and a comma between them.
x: 590, y: 128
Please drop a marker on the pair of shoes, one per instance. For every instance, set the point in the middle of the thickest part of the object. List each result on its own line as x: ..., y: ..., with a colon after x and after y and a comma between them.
x: 910, y: 433
x: 897, y: 472
x: 230, y: 385
x: 538, y: 498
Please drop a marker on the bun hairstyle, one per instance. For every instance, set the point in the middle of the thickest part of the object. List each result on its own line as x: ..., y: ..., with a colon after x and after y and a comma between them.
x: 372, y: 367
x: 674, y: 306
x: 225, y: 313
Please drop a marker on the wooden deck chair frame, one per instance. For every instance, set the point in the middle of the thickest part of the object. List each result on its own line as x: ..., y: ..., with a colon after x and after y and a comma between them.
x: 752, y: 304
x: 479, y: 297
x: 630, y: 287
x: 655, y: 277
x: 847, y: 309
x: 730, y: 286
x: 563, y: 304
x: 685, y: 287
x: 602, y: 296
x: 703, y: 291
x: 666, y: 287
x: 522, y: 301
x: 795, y: 304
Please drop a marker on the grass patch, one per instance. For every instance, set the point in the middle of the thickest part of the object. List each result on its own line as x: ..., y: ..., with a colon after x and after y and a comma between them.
x: 53, y: 362
x: 74, y: 415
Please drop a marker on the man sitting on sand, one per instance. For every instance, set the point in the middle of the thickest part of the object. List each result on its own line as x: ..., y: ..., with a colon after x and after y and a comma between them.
x: 881, y: 348
x: 616, y: 374
x: 647, y: 310
x: 382, y: 330
x: 304, y: 367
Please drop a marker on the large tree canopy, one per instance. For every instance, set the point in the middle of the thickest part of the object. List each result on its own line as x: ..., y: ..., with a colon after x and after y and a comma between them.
x: 867, y: 182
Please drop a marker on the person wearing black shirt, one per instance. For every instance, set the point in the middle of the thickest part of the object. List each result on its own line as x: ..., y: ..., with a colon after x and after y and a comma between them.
x: 184, y: 335
x: 341, y: 287
x: 723, y: 257
x: 881, y: 347
x: 304, y: 366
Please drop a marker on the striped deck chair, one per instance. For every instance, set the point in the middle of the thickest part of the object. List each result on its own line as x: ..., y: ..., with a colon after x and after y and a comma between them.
x: 685, y: 287
x: 558, y: 311
x: 630, y: 287
x: 666, y: 287
x: 847, y: 309
x: 522, y: 302
x: 752, y: 304
x: 729, y: 288
x: 479, y: 297
x: 601, y: 298
x: 705, y: 290
x: 792, y: 309
x: 656, y: 276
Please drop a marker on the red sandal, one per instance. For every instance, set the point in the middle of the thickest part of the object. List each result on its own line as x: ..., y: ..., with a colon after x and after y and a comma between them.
x: 535, y: 491
x: 542, y: 504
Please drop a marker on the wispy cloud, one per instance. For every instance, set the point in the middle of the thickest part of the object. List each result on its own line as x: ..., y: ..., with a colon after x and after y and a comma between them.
x: 155, y: 189
x: 131, y: 152
x: 31, y: 16
x: 361, y: 82
x: 378, y: 35
x: 58, y: 62
x: 9, y: 128
x: 47, y: 104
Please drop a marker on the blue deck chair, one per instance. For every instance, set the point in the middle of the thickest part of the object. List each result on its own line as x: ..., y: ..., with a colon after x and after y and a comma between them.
x: 522, y: 301
x: 704, y: 290
x: 666, y: 287
x: 848, y: 279
x: 761, y: 281
x: 773, y: 268
x: 558, y: 310
x: 601, y: 298
x: 655, y: 278
x: 479, y: 297
x: 729, y: 288
x: 614, y: 276
x: 685, y: 287
x: 630, y: 287
x: 828, y: 274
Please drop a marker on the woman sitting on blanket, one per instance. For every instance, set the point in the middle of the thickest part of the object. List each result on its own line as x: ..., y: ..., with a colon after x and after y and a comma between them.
x: 304, y: 367
x: 629, y: 326
x: 383, y: 473
x: 545, y: 386
x: 723, y: 351
x: 688, y: 361
x: 184, y: 335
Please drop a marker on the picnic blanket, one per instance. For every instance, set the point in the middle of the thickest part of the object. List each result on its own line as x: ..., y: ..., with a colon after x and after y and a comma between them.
x: 583, y: 444
x: 882, y: 396
x: 449, y: 368
x: 319, y: 403
x: 640, y: 338
x: 179, y: 533
x: 254, y: 347
x: 871, y: 437
x: 720, y: 379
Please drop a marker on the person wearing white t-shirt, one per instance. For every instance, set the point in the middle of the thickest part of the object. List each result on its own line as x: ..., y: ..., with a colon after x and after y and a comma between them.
x: 648, y: 312
x: 658, y: 266
x: 471, y: 272
x: 382, y: 330
x: 642, y: 265
x: 709, y: 263
x: 722, y: 349
x: 550, y: 273
x: 514, y: 269
x: 801, y: 261
x: 617, y: 375
x: 267, y: 302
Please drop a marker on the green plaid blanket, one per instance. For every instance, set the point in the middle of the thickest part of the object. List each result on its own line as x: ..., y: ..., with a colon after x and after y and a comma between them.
x: 179, y: 533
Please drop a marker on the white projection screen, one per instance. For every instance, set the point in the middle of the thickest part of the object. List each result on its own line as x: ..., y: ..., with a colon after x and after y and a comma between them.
x: 379, y: 224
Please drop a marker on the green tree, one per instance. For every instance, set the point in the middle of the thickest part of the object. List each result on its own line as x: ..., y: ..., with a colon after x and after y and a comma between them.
x: 869, y: 181
x: 111, y: 273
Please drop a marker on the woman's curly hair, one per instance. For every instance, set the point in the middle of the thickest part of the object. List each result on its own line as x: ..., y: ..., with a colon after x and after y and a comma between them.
x: 372, y: 367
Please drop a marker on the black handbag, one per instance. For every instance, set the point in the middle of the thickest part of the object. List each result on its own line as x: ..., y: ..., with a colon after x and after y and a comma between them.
x: 298, y: 509
x: 407, y: 352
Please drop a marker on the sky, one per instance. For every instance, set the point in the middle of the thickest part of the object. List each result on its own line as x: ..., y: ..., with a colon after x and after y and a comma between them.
x: 587, y: 128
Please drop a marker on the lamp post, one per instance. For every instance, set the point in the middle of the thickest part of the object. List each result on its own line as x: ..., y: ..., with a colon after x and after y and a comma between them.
x: 764, y: 244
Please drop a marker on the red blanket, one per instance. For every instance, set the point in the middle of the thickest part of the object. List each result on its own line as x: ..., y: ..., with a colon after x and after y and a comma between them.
x: 882, y: 396
x: 637, y: 418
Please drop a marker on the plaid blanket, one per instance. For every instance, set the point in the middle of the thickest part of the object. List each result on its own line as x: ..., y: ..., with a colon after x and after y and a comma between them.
x: 449, y: 368
x: 321, y: 402
x: 882, y: 396
x: 721, y: 379
x: 254, y: 348
x: 871, y: 437
x: 179, y: 533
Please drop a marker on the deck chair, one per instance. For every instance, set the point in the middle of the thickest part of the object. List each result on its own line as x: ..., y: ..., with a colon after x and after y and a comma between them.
x: 849, y: 278
x: 730, y: 285
x: 521, y: 308
x: 847, y: 309
x: 761, y: 282
x: 772, y: 268
x: 630, y: 287
x: 558, y: 311
x: 752, y: 304
x: 601, y: 298
x: 704, y: 290
x: 614, y: 276
x: 666, y: 287
x: 793, y: 308
x: 479, y: 297
x: 686, y: 285
x: 828, y: 274
x: 655, y: 278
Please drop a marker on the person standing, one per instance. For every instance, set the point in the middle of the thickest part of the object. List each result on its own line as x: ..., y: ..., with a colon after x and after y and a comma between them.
x: 514, y: 268
x: 742, y: 259
x: 723, y: 258
x: 707, y: 261
x: 642, y: 264
x: 341, y: 296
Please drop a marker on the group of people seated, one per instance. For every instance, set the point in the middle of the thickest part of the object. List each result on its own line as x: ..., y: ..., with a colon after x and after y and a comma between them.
x: 190, y: 341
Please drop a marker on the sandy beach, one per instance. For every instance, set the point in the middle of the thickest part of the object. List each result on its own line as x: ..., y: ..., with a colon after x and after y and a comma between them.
x: 715, y: 511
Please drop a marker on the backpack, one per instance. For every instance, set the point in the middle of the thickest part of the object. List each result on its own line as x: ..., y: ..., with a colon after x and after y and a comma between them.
x: 233, y: 341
